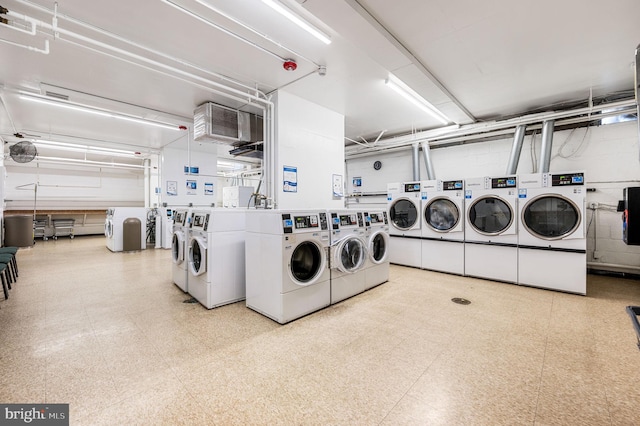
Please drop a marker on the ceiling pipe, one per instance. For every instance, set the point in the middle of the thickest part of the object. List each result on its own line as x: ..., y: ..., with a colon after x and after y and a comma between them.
x: 516, y: 149
x: 428, y: 164
x: 547, y: 143
x: 416, y: 161
x: 445, y: 134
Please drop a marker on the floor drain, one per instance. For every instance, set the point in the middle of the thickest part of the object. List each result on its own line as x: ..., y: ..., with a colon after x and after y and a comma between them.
x: 192, y: 300
x: 461, y: 301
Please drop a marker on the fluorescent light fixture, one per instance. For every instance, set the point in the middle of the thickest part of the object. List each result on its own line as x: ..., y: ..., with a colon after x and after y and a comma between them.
x: 96, y: 111
x: 278, y: 7
x: 409, y: 94
x: 64, y: 146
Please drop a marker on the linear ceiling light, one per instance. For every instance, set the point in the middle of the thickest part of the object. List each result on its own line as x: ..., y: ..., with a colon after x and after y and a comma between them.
x: 97, y: 111
x: 278, y: 7
x: 63, y: 146
x: 409, y: 94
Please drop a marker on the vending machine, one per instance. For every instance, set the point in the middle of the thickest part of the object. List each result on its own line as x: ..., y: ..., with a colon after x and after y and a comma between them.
x: 631, y: 215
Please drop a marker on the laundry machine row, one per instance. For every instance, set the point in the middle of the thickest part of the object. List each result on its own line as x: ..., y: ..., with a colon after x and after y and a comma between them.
x: 524, y: 229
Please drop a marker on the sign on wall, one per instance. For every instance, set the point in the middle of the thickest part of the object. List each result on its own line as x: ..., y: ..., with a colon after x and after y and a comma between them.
x: 290, y: 179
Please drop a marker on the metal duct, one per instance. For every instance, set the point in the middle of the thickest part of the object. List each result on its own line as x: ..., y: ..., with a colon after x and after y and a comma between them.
x: 637, y: 86
x: 516, y: 149
x: 547, y: 142
x: 426, y: 153
x: 416, y: 162
x: 217, y: 123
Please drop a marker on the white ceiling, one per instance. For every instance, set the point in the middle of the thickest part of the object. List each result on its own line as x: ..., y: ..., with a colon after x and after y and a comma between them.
x: 492, y: 58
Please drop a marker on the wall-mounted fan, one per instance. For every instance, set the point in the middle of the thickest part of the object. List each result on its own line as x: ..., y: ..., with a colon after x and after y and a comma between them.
x: 23, y: 152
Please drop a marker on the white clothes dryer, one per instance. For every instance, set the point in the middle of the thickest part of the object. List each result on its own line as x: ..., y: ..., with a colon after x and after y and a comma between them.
x: 348, y: 254
x: 491, y: 240
x: 216, y: 256
x: 287, y: 262
x: 552, y: 246
x: 114, y: 226
x: 404, y: 201
x: 376, y: 266
x: 443, y: 226
x: 179, y: 249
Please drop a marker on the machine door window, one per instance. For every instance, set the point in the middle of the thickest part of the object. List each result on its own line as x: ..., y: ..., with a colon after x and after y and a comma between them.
x: 350, y: 254
x: 403, y: 214
x: 441, y: 214
x: 197, y: 257
x: 177, y: 248
x: 306, y: 262
x: 551, y: 217
x: 490, y: 215
x: 378, y: 247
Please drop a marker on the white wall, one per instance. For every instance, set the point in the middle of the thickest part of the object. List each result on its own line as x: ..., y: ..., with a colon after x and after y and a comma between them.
x: 608, y: 154
x: 172, y: 171
x: 311, y: 139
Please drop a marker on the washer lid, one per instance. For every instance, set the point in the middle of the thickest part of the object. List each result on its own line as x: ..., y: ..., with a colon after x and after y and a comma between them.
x: 552, y: 217
x: 349, y: 254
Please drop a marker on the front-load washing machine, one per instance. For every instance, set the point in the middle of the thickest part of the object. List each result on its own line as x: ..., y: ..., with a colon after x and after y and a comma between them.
x: 552, y: 247
x: 443, y: 226
x: 404, y: 204
x: 287, y: 262
x: 491, y: 239
x: 179, y: 249
x: 376, y: 266
x: 216, y: 256
x: 347, y: 254
x: 114, y: 226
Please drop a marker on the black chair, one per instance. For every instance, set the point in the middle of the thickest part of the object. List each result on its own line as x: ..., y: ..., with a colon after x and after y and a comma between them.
x: 6, y: 285
x: 12, y: 251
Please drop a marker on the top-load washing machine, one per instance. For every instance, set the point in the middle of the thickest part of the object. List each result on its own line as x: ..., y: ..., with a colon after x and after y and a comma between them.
x: 552, y: 246
x: 114, y: 226
x: 348, y: 254
x: 216, y: 256
x: 443, y: 226
x: 491, y: 239
x: 376, y: 266
x: 179, y: 240
x: 404, y: 202
x: 287, y: 262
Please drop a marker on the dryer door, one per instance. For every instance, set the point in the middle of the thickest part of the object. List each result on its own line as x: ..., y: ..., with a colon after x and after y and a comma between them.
x: 443, y: 215
x: 197, y: 256
x: 177, y: 247
x: 491, y: 215
x: 553, y: 217
x: 404, y: 214
x: 307, y: 262
x: 378, y: 247
x: 349, y: 254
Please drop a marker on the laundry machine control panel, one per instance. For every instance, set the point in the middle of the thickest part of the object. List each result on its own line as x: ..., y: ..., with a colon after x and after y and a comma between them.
x: 451, y: 185
x: 311, y: 221
x: 567, y: 179
x: 375, y: 219
x: 503, y: 182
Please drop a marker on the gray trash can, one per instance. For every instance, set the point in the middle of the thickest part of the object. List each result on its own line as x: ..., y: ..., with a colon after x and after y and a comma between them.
x: 131, y: 234
x: 18, y: 231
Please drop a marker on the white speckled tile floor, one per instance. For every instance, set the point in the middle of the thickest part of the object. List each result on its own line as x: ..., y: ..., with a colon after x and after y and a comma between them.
x: 109, y: 334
